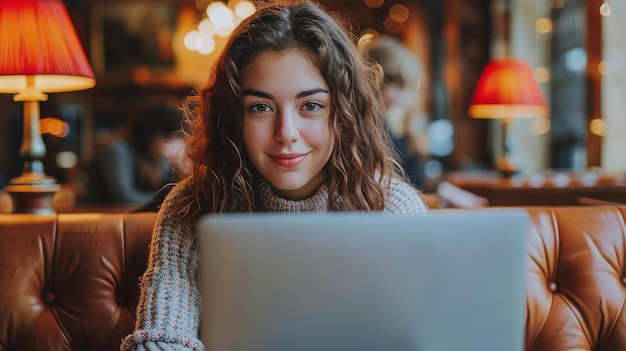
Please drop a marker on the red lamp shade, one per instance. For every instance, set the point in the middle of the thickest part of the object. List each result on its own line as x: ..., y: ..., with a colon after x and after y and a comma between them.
x: 507, y: 89
x: 38, y: 39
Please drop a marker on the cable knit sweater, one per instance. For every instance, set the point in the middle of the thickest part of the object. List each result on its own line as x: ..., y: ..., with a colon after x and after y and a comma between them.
x: 168, y: 310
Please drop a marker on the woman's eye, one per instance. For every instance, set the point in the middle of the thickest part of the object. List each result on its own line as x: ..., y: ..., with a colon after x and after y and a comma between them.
x: 259, y: 108
x: 312, y: 106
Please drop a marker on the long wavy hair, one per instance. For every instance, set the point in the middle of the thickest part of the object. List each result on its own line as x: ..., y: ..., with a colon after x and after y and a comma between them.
x: 363, y: 160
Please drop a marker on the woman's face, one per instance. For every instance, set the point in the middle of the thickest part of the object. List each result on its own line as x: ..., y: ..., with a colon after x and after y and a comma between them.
x: 286, y: 130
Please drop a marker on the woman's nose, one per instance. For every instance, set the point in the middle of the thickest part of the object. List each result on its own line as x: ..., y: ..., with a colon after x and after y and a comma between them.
x: 287, y: 127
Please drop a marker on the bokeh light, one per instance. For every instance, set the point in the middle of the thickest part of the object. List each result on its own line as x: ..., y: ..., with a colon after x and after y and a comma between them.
x: 543, y: 25
x: 399, y: 13
x: 598, y: 127
x: 374, y: 4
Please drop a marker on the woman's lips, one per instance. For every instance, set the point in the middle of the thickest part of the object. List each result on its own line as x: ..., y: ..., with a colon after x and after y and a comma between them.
x: 289, y: 160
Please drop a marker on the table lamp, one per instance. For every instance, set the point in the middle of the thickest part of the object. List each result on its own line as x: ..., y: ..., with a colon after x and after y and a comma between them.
x: 507, y: 89
x: 40, y: 53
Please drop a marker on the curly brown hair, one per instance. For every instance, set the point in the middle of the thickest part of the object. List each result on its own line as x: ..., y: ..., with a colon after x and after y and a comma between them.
x: 363, y: 160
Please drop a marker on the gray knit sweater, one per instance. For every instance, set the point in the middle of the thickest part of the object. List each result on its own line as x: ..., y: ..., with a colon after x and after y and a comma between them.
x: 168, y: 310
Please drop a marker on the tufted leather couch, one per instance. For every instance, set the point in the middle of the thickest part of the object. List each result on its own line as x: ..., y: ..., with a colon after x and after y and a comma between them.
x: 575, y: 294
x: 69, y: 281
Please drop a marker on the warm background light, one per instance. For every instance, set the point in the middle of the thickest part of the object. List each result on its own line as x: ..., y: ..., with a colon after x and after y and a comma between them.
x: 244, y: 9
x: 392, y: 26
x: 221, y: 19
x: 507, y: 89
x: 374, y: 4
x: 54, y: 126
x: 605, y: 9
x: 542, y: 75
x: 543, y: 25
x: 399, y: 13
x: 598, y: 126
x: 38, y: 38
x: 603, y: 68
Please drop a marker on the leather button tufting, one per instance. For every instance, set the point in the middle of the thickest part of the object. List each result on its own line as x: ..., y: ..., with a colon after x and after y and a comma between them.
x: 624, y: 281
x: 121, y: 300
x: 552, y: 286
x: 49, y: 297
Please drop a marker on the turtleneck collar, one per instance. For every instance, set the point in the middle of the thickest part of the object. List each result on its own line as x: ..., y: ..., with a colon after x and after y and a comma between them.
x: 273, y: 203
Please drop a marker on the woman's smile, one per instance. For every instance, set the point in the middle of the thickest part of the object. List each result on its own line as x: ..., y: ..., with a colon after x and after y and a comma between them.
x: 288, y: 160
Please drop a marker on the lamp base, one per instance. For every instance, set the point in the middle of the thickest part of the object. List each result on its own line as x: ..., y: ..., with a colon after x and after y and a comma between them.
x: 32, y: 193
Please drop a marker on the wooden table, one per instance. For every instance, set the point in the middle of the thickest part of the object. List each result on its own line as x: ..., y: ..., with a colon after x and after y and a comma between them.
x: 550, y: 188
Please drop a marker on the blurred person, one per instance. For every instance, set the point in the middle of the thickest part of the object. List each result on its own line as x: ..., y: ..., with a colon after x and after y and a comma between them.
x: 403, y: 75
x: 147, y: 156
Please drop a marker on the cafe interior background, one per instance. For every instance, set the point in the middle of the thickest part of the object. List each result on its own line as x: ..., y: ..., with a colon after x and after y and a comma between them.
x: 144, y: 48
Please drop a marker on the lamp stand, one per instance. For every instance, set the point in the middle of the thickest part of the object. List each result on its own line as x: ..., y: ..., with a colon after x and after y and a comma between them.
x: 504, y: 164
x: 32, y: 191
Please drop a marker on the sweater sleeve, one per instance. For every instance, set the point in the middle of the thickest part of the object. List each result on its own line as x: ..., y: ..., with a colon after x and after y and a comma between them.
x: 169, y: 304
x: 404, y: 199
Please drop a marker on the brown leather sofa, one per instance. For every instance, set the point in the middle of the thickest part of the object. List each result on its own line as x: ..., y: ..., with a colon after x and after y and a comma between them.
x: 69, y: 281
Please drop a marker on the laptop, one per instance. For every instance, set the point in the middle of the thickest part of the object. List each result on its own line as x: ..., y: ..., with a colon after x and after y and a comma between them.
x: 448, y: 280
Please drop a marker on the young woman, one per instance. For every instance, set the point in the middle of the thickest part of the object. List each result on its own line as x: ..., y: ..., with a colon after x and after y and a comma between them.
x: 291, y: 120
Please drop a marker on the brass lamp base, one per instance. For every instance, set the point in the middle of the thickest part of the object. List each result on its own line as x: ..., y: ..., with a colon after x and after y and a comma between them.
x: 32, y: 193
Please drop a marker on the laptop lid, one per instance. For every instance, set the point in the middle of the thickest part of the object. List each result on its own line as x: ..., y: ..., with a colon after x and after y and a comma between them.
x: 449, y: 280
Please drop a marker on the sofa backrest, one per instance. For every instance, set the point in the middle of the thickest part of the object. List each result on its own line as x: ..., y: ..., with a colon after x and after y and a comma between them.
x: 575, y: 295
x: 69, y: 281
